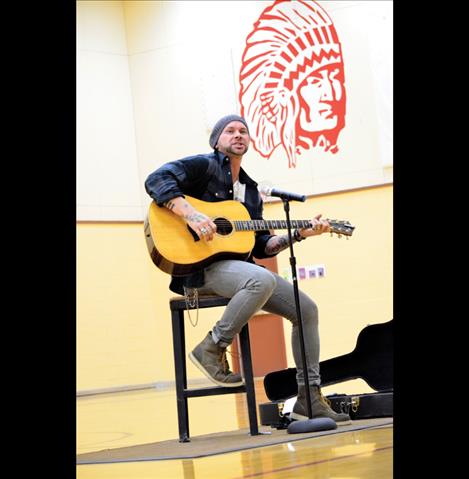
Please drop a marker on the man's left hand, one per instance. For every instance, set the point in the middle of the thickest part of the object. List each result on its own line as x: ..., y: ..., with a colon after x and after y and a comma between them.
x: 318, y: 227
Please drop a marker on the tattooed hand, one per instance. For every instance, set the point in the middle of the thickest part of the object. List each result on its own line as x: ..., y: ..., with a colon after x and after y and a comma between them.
x: 204, y: 227
x: 201, y: 224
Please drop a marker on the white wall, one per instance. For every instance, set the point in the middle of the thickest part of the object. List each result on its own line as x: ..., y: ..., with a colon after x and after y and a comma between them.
x: 108, y: 183
x: 153, y: 77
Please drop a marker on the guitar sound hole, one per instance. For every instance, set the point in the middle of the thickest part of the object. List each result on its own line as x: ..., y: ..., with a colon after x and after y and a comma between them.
x: 224, y: 226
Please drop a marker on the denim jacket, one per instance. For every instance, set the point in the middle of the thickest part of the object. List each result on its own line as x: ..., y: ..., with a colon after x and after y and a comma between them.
x: 206, y: 177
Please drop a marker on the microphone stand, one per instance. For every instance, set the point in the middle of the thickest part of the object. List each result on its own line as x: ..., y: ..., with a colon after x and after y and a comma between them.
x: 286, y: 207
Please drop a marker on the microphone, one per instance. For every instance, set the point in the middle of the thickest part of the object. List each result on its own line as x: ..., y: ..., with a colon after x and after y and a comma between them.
x: 285, y: 195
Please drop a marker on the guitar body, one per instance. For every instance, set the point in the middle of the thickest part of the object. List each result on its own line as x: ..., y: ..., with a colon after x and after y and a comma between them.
x: 177, y: 251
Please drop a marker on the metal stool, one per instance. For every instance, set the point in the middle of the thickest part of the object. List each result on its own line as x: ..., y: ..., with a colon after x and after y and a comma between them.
x: 178, y: 306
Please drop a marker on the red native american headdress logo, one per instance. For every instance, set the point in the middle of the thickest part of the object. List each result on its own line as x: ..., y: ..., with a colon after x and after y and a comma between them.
x: 292, y: 80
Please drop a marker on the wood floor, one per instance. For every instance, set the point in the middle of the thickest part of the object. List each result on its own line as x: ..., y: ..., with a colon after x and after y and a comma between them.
x: 115, y: 420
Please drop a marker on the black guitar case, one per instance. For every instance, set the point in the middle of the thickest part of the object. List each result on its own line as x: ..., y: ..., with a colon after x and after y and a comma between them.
x: 371, y: 360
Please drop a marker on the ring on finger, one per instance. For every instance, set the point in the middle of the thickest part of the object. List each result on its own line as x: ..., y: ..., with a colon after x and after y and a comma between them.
x: 203, y: 230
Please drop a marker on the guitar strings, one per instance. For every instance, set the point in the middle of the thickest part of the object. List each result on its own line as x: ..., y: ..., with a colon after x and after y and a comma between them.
x: 237, y: 225
x: 267, y: 222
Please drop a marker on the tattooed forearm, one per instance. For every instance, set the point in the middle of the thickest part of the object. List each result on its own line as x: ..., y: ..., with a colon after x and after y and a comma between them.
x: 277, y: 244
x: 179, y: 206
x: 170, y: 205
x: 194, y: 217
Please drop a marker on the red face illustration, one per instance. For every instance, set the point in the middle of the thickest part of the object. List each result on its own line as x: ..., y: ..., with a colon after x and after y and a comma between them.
x: 292, y: 80
x: 322, y: 109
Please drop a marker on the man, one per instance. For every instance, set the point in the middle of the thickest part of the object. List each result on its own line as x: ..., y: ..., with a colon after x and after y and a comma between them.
x: 219, y: 176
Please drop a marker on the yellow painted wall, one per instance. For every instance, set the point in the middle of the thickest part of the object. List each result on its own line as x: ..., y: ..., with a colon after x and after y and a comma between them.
x: 123, y: 321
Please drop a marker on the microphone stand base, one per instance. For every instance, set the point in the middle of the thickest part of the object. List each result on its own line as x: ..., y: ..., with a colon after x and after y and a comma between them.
x: 311, y: 425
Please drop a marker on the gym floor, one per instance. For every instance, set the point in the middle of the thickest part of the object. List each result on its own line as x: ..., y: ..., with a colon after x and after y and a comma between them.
x: 107, y: 421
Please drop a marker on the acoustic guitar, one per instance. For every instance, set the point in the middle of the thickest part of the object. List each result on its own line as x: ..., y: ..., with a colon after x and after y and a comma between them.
x: 177, y: 250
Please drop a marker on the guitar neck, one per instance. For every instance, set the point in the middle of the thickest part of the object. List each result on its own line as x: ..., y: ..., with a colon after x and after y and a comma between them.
x: 259, y: 225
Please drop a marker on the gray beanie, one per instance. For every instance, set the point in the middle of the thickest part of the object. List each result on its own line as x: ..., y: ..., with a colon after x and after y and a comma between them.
x: 220, y: 126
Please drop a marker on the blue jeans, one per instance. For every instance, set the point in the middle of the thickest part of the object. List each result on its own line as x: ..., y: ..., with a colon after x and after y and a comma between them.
x: 251, y: 288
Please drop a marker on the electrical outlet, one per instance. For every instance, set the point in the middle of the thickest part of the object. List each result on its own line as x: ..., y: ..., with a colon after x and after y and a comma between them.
x: 321, y: 270
x: 301, y: 272
x: 314, y: 271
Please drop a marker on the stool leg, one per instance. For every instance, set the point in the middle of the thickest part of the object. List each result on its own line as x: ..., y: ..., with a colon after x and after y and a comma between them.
x: 182, y: 330
x: 249, y: 379
x: 177, y: 319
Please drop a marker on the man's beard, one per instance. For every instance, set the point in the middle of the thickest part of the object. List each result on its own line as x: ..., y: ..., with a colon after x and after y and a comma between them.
x: 231, y: 150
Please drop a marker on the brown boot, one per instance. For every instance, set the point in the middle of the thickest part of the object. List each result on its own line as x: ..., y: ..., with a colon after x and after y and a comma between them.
x: 319, y: 407
x: 211, y: 360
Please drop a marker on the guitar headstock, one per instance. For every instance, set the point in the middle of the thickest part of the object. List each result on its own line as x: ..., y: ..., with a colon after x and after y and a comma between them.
x: 341, y: 227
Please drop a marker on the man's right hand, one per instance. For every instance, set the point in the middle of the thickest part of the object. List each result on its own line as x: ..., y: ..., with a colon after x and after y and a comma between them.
x: 204, y: 227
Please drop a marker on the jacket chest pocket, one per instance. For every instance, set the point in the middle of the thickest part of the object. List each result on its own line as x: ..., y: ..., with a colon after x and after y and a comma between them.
x: 217, y: 193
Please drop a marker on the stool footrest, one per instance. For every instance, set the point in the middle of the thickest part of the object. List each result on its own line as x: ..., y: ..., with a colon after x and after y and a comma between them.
x: 213, y: 391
